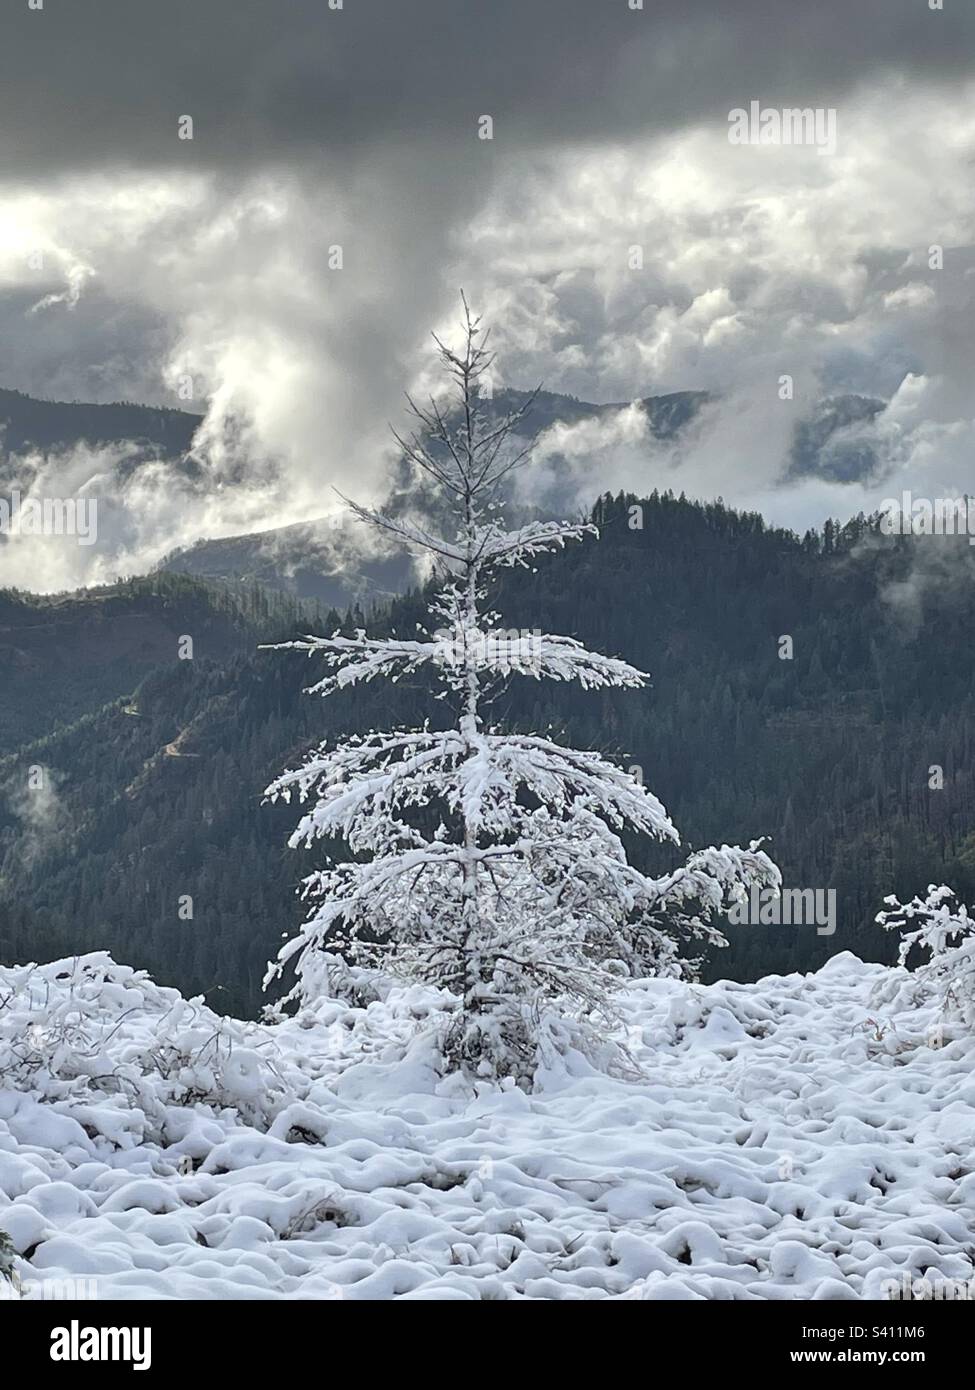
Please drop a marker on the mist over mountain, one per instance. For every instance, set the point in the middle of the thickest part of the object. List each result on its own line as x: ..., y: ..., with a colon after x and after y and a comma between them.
x: 827, y: 444
x: 312, y: 559
x: 331, y: 560
x: 161, y: 483
x: 28, y: 424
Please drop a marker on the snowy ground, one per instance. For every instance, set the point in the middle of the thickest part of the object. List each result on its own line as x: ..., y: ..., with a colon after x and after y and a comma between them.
x: 777, y: 1145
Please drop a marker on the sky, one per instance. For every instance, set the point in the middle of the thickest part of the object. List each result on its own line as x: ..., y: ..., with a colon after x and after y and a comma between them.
x: 615, y: 239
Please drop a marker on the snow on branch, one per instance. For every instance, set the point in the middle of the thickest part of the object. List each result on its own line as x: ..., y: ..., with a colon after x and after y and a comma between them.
x: 360, y: 658
x: 943, y: 928
x: 490, y: 650
x: 368, y: 786
x: 492, y: 545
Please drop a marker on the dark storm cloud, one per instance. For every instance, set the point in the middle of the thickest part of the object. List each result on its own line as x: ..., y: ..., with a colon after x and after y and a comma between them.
x: 101, y: 82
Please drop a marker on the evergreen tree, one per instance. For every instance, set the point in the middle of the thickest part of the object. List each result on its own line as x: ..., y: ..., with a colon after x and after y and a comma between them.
x: 487, y: 863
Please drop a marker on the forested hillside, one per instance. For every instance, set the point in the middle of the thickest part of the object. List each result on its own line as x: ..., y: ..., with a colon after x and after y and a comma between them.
x: 828, y: 754
x: 28, y: 424
x: 64, y: 655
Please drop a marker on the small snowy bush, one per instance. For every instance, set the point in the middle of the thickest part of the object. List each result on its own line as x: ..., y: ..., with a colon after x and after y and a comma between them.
x: 943, y: 928
x: 7, y: 1259
x: 59, y: 1027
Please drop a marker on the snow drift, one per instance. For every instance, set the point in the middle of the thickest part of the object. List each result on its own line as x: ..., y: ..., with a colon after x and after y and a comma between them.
x: 776, y: 1140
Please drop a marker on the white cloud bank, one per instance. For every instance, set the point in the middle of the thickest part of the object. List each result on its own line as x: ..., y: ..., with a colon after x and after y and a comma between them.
x: 756, y: 262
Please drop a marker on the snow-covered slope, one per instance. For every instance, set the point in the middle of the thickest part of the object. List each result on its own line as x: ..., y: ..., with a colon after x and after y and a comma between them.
x: 776, y: 1140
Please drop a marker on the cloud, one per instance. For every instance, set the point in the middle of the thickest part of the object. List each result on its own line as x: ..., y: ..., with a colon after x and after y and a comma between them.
x: 777, y: 264
x: 132, y: 262
x: 34, y: 798
x: 140, y: 513
x: 274, y: 84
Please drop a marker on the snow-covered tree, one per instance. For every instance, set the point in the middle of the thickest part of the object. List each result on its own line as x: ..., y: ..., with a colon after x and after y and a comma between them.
x: 943, y: 928
x: 8, y: 1270
x: 486, y: 863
